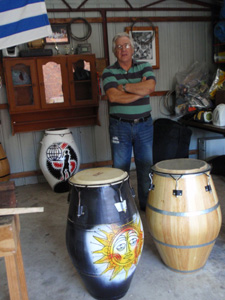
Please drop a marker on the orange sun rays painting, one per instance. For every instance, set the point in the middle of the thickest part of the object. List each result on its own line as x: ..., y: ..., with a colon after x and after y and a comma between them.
x: 118, y: 248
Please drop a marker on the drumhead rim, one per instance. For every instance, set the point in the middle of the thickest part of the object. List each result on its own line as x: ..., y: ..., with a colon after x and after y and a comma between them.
x: 98, y: 177
x: 57, y: 131
x: 181, y: 174
x: 171, y: 167
x: 99, y: 185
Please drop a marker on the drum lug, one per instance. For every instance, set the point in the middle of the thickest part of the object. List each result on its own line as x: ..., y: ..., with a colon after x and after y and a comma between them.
x: 151, y: 186
x: 68, y: 197
x: 133, y: 193
x: 177, y: 193
x: 208, y: 188
x: 80, y: 209
x: 122, y: 205
x: 132, y: 190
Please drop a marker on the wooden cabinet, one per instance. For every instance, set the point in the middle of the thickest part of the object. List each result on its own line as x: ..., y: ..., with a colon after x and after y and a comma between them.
x: 52, y: 91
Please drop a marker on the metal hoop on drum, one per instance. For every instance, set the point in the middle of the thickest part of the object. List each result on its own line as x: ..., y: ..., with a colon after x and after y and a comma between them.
x: 176, y: 177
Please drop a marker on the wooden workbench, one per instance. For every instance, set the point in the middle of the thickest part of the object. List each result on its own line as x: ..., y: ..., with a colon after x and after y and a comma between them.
x: 10, y: 247
x: 204, y: 126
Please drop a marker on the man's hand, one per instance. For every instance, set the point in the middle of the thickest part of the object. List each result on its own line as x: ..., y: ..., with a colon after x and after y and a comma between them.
x: 120, y: 88
x: 116, y: 96
x: 143, y: 88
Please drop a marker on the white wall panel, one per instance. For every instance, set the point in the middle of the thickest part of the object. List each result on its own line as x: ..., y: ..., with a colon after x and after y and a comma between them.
x: 103, y: 150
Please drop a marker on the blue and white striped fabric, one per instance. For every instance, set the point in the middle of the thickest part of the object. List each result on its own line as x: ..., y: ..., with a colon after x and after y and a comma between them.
x: 22, y: 21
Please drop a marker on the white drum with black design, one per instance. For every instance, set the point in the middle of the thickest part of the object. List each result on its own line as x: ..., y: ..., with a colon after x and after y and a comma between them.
x: 59, y: 158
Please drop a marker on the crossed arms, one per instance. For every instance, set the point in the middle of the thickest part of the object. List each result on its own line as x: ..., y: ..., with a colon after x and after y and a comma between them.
x: 134, y: 91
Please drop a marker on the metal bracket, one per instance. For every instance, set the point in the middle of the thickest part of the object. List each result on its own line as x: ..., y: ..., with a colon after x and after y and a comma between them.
x: 80, y: 208
x: 177, y: 192
x: 122, y: 205
x: 208, y: 186
x: 151, y: 186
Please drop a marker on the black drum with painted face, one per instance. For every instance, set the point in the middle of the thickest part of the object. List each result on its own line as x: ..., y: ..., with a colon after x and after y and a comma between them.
x: 104, y: 234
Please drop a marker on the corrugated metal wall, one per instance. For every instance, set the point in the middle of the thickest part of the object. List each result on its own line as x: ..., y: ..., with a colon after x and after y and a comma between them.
x: 180, y: 44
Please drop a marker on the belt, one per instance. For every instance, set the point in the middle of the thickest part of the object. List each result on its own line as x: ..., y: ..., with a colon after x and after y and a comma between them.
x: 134, y: 121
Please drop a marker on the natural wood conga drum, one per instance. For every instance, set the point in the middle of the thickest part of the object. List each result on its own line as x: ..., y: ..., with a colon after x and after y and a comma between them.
x: 104, y: 234
x: 183, y: 213
x: 4, y: 165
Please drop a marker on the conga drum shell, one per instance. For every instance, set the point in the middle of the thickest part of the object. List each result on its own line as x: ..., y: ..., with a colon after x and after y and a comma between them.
x: 4, y: 166
x: 183, y: 213
x: 59, y: 158
x: 104, y: 233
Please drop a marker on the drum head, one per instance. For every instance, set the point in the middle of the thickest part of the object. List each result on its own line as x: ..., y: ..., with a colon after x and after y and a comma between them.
x: 57, y: 131
x: 181, y: 166
x: 98, y: 176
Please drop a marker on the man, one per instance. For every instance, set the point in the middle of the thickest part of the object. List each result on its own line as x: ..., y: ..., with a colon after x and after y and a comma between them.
x: 128, y: 84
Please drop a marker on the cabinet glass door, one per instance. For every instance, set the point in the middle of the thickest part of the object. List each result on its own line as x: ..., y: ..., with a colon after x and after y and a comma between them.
x: 83, y: 84
x: 53, y: 82
x: 22, y: 85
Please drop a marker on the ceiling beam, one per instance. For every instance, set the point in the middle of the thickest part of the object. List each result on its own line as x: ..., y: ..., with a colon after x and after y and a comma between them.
x: 59, y: 10
x: 132, y: 19
x: 196, y: 2
x: 128, y: 3
x: 82, y: 4
x: 69, y: 7
x: 153, y: 3
x: 204, y: 4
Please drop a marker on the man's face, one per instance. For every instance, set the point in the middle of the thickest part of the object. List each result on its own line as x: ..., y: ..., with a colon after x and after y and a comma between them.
x: 124, y: 50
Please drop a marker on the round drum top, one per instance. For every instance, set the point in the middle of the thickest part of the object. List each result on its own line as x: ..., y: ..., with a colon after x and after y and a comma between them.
x: 57, y: 131
x: 181, y: 166
x: 98, y: 176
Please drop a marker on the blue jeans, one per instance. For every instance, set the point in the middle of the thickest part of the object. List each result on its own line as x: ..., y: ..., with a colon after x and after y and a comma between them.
x: 126, y: 136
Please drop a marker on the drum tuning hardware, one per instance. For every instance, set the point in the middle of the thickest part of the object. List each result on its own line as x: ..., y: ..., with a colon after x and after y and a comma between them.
x: 208, y: 186
x: 80, y: 209
x: 177, y: 192
x: 122, y: 205
x: 132, y: 190
x: 68, y: 197
x: 151, y: 186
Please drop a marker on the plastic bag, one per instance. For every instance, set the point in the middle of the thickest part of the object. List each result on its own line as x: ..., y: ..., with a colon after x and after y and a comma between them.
x: 192, y: 89
x: 218, y: 83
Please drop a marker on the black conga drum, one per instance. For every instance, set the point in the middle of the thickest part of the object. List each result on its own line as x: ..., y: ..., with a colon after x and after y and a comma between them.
x: 183, y: 213
x: 104, y: 234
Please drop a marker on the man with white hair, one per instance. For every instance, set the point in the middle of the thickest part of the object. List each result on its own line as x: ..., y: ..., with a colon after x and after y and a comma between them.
x: 128, y: 84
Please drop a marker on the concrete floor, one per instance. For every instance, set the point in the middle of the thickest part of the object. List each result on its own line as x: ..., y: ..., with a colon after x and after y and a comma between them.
x: 51, y: 275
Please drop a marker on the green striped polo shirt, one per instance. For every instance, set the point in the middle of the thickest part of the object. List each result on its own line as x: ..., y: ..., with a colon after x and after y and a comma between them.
x: 114, y: 75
